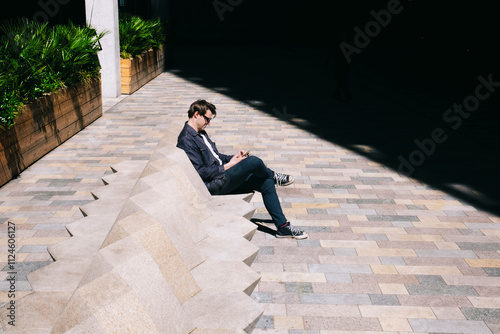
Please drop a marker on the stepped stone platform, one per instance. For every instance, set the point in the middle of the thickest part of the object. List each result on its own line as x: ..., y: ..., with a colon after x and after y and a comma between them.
x: 154, y: 253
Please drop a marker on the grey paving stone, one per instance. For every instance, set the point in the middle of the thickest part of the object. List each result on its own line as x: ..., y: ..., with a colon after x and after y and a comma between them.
x: 430, y: 279
x: 392, y: 260
x: 299, y: 287
x: 20, y: 285
x: 302, y: 331
x: 58, y: 182
x: 340, y: 268
x: 370, y: 170
x: 484, y: 226
x: 333, y: 186
x: 368, y: 212
x: 494, y: 272
x: 370, y: 201
x: 479, y: 246
x: 24, y: 268
x: 262, y: 297
x: 335, y: 299
x: 471, y: 232
x: 50, y: 193
x: 33, y: 249
x: 344, y: 251
x: 372, y: 180
x: 416, y: 207
x: 308, y: 243
x: 326, y: 166
x: 384, y: 300
x: 392, y: 218
x: 316, y: 211
x: 265, y: 322
x: 375, y: 237
x: 466, y: 254
x: 315, y: 229
x: 488, y: 315
x: 338, y: 278
x: 402, y: 224
x: 429, y: 289
x: 266, y: 250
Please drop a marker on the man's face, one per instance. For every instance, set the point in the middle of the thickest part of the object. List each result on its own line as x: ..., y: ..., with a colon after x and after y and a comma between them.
x: 203, y: 120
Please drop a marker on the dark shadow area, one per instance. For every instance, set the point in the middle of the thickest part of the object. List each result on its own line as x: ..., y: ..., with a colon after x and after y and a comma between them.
x: 404, y: 84
x: 263, y: 228
x: 47, y: 11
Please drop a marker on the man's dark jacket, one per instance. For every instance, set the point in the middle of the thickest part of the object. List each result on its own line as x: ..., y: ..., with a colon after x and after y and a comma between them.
x: 210, y: 170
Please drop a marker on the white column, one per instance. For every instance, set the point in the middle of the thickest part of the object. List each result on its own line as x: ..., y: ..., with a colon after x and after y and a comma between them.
x: 103, y: 16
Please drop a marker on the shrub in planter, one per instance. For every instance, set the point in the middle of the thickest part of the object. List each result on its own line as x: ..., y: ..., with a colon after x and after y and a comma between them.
x: 39, y: 59
x: 141, y: 50
x: 138, y: 35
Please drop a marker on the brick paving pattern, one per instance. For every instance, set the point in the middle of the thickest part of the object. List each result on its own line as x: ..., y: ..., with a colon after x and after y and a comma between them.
x: 386, y: 253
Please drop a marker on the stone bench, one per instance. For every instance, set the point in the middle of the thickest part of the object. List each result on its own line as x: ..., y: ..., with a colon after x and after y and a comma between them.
x: 155, y: 253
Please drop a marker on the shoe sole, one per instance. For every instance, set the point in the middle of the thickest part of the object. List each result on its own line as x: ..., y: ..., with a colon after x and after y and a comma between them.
x: 304, y: 236
x: 292, y: 179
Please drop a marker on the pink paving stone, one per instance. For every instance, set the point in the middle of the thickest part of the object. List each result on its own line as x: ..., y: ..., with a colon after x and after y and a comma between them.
x: 471, y: 238
x: 488, y: 291
x: 487, y: 255
x: 495, y: 328
x: 272, y: 287
x: 287, y: 258
x: 302, y: 251
x: 285, y: 298
x: 349, y: 311
x: 42, y: 257
x: 337, y: 236
x: 463, y: 219
x: 391, y: 279
x: 470, y: 271
x: 407, y: 244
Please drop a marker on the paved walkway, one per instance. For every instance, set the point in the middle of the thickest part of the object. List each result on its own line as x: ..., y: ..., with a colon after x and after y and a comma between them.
x: 386, y: 253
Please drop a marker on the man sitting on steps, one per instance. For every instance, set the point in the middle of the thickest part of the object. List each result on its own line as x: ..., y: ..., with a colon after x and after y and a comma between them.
x: 240, y: 173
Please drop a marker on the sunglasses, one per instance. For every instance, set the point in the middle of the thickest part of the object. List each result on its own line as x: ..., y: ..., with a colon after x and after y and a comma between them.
x: 206, y: 118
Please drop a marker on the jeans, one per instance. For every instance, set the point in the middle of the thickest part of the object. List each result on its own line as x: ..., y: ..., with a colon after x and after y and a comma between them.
x: 251, y: 174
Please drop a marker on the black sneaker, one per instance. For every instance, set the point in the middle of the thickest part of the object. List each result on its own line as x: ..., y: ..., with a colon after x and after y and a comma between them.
x: 289, y: 231
x: 283, y: 179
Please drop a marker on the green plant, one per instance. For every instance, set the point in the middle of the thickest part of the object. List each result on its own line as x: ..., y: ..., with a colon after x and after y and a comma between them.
x: 138, y: 35
x: 39, y: 59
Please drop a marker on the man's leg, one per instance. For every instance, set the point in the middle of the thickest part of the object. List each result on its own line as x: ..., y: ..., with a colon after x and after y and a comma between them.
x: 251, y: 174
x: 269, y: 196
x: 241, y: 172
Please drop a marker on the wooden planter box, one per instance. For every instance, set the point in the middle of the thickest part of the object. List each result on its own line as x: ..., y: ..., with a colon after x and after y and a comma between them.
x: 45, y: 124
x: 136, y: 72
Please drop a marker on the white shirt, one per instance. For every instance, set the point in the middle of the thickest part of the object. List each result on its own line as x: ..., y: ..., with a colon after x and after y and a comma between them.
x: 211, y: 149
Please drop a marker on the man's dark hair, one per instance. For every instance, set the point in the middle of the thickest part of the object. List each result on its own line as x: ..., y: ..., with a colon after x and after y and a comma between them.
x: 201, y: 107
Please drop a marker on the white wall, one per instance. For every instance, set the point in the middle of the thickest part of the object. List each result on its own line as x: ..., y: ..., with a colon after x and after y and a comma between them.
x: 103, y: 16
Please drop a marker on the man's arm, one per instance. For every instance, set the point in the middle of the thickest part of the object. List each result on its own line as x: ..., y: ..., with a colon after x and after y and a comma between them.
x: 207, y: 173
